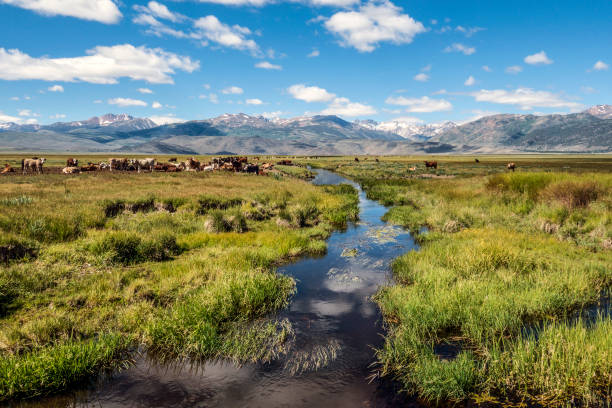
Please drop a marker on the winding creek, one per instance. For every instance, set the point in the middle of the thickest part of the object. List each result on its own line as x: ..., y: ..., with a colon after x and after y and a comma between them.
x: 335, y: 323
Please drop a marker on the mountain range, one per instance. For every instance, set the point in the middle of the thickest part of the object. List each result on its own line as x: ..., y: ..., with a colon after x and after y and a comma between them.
x: 586, y: 132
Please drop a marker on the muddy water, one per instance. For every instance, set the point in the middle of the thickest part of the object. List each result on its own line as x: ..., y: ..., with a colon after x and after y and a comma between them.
x: 336, y: 324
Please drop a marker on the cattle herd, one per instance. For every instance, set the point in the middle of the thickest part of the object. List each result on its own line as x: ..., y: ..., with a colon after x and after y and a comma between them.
x: 231, y: 163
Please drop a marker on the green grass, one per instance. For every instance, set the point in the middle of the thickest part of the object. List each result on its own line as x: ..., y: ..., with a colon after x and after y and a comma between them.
x: 135, y: 255
x: 500, y: 252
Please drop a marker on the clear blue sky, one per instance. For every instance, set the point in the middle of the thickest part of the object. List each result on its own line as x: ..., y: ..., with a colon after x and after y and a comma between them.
x: 424, y: 59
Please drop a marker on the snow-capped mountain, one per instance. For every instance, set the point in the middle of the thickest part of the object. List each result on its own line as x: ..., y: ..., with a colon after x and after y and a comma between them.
x: 408, y: 129
x: 600, y: 111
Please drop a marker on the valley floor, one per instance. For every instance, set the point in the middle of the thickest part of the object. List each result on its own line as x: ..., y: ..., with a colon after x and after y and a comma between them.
x: 99, y: 264
x: 508, y: 298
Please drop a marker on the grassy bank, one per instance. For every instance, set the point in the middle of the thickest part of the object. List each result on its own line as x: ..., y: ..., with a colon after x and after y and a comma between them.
x: 183, y: 264
x: 487, y: 309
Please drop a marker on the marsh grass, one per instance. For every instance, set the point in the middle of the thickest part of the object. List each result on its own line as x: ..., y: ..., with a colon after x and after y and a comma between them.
x: 500, y: 252
x: 114, y: 261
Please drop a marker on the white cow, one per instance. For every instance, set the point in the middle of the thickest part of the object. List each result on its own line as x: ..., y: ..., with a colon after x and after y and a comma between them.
x: 147, y: 164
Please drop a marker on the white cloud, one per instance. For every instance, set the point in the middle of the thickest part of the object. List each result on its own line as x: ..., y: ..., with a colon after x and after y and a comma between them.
x: 159, y: 10
x: 458, y: 47
x: 232, y: 90
x: 209, y: 28
x: 589, y: 90
x: 19, y: 119
x: 102, y: 65
x: 7, y: 118
x: 440, y: 92
x: 206, y: 86
x: 158, y: 28
x: 470, y: 81
x: 373, y: 23
x: 254, y: 101
x: 422, y: 77
x: 314, y: 53
x: 267, y: 65
x: 157, y: 105
x: 145, y: 91
x: 164, y: 120
x: 469, y: 31
x: 56, y: 88
x: 514, y: 69
x: 259, y: 3
x: 126, y: 102
x: 423, y: 105
x: 344, y: 107
x: 213, y: 98
x: 486, y: 68
x: 600, y: 66
x: 27, y: 112
x: 103, y: 11
x: 539, y: 58
x: 525, y: 98
x: 310, y: 93
x: 58, y: 116
x: 14, y: 98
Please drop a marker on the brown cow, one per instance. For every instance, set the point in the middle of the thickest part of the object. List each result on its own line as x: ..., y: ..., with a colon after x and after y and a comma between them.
x: 72, y: 162
x: 117, y: 164
x: 191, y: 164
x: 32, y: 164
x: 172, y: 159
x: 433, y: 164
x: 511, y: 166
x: 7, y: 169
x: 356, y: 159
x: 476, y: 160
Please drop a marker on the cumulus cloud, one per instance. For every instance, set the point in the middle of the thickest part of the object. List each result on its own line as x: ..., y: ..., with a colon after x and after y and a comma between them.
x: 232, y: 90
x: 259, y: 3
x: 469, y: 31
x: 157, y: 105
x: 424, y: 104
x: 600, y: 66
x: 470, y: 81
x: 314, y: 53
x: 267, y: 65
x: 373, y: 23
x: 254, y: 101
x: 158, y: 28
x: 102, y: 65
x: 27, y: 112
x: 525, y: 98
x: 514, y: 69
x: 58, y: 116
x: 310, y: 93
x: 422, y: 77
x: 103, y: 11
x: 145, y: 91
x: 159, y: 10
x: 126, y: 102
x: 209, y: 28
x: 458, y: 47
x: 56, y: 88
x: 539, y: 58
x: 344, y: 107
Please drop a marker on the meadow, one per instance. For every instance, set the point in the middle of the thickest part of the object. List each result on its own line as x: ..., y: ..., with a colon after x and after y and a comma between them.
x: 99, y: 265
x: 507, y: 301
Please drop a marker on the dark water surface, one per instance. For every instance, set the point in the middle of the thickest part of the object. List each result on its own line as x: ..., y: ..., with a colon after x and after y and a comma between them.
x: 336, y: 326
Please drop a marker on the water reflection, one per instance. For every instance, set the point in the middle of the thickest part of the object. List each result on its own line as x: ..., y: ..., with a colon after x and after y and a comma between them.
x: 336, y: 326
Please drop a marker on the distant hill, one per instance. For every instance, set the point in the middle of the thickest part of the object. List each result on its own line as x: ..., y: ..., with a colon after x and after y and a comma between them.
x: 588, y: 131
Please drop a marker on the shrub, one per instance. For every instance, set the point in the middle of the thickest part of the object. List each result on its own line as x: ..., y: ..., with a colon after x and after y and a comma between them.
x: 112, y: 208
x: 16, y: 201
x: 126, y: 248
x: 8, y: 294
x: 530, y: 184
x: 303, y: 215
x: 142, y: 205
x: 219, y: 222
x: 54, y: 229
x: 573, y: 194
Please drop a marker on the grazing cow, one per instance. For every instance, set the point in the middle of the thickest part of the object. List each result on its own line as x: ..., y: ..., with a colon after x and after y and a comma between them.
x: 72, y: 162
x: 511, y: 166
x: 227, y: 167
x: 433, y: 164
x: 71, y: 170
x: 7, y: 169
x: 208, y: 168
x: 191, y: 164
x: 146, y: 164
x: 285, y: 163
x: 412, y: 169
x: 476, y: 160
x: 172, y: 159
x: 356, y: 159
x: 117, y: 164
x: 267, y: 166
x: 377, y: 160
x: 32, y: 164
x: 252, y: 168
x: 90, y: 167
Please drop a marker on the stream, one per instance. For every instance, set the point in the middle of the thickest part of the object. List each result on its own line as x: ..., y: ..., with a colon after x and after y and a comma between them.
x: 336, y: 326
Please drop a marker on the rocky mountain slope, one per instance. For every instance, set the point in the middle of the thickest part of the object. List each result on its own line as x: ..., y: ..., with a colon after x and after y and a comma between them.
x: 588, y: 131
